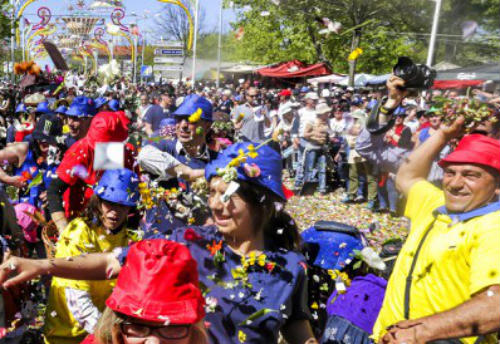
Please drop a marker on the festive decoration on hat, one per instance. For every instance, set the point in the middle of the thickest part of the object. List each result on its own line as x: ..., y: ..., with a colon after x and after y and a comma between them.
x: 119, y: 186
x: 191, y: 106
x: 196, y: 116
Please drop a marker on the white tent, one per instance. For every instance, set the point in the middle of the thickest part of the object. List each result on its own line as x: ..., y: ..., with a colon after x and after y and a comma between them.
x: 332, y: 79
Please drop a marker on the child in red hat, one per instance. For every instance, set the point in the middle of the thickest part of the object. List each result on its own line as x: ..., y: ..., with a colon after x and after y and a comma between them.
x: 156, y: 298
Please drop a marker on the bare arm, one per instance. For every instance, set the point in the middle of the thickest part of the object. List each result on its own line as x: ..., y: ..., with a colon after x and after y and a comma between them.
x: 417, y: 165
x: 308, y: 131
x: 95, y: 266
x: 299, y: 332
x: 13, y: 154
x: 477, y: 316
x: 148, y: 129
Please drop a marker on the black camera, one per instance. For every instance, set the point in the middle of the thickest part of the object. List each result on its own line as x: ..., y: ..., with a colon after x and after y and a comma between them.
x: 414, y: 75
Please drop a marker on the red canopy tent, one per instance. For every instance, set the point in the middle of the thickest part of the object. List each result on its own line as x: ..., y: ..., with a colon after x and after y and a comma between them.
x: 294, y: 69
x: 445, y: 84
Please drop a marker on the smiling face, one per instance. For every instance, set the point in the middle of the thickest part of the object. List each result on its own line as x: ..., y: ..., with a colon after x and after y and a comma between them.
x: 78, y: 126
x: 467, y: 187
x: 113, y: 215
x: 234, y: 217
x: 187, y: 132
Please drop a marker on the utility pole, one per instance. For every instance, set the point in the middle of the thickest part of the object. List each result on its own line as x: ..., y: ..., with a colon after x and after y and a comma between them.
x: 193, y: 72
x: 219, y: 47
x: 432, y: 42
x: 13, y: 40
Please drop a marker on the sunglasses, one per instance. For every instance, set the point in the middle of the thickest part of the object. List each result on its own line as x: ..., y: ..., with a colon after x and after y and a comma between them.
x: 251, y: 95
x: 134, y: 330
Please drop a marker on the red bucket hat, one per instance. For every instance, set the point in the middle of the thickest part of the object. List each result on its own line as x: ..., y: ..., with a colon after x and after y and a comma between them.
x: 286, y: 92
x: 475, y: 149
x: 159, y: 282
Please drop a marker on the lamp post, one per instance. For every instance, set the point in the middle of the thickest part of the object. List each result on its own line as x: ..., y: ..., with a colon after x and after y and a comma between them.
x: 432, y: 42
x: 219, y: 45
x: 12, y: 41
x: 193, y: 72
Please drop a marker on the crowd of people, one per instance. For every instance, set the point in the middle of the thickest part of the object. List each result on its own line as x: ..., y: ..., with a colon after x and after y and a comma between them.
x: 156, y: 213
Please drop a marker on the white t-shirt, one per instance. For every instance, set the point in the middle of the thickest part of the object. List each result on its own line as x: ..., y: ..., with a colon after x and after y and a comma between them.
x: 338, y: 127
x: 305, y: 115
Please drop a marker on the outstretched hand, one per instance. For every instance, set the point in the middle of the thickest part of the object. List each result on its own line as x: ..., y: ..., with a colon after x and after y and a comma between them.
x: 396, y: 91
x: 26, y: 269
x: 453, y: 130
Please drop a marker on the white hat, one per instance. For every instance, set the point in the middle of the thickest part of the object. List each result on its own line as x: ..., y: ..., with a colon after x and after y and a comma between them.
x: 322, y: 109
x: 350, y: 89
x: 312, y: 95
x: 285, y: 108
x: 325, y: 93
x: 179, y: 101
x: 227, y: 93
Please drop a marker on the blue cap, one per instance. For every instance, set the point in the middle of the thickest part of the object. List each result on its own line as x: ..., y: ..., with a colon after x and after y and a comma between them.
x: 61, y: 109
x: 304, y: 89
x: 100, y: 101
x: 268, y: 161
x: 114, y: 105
x: 330, y: 249
x: 371, y: 104
x: 356, y: 101
x: 400, y: 111
x: 119, y: 186
x: 167, y: 121
x: 21, y: 108
x: 191, y: 104
x: 237, y: 98
x: 81, y: 107
x: 43, y: 107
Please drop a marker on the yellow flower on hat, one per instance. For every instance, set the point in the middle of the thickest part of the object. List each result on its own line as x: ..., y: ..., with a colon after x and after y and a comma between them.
x: 252, y: 152
x: 242, y: 337
x: 196, y: 116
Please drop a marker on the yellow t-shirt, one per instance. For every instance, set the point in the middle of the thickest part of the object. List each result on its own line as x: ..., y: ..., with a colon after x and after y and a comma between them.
x: 457, y: 260
x: 76, y: 239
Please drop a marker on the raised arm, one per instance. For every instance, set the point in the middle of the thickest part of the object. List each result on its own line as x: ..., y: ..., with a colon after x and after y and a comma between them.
x: 417, y: 165
x: 95, y: 266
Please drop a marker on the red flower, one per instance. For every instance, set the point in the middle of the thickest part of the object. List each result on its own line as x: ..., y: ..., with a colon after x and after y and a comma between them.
x: 182, y: 186
x: 191, y: 235
x: 25, y: 176
x: 270, y: 266
x: 215, y: 247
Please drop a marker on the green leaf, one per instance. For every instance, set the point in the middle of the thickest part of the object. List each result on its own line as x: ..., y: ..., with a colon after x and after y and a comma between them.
x: 36, y: 181
x: 357, y: 265
x: 257, y: 315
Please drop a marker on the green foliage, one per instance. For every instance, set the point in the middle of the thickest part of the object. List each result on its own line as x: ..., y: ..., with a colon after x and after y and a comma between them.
x: 395, y: 28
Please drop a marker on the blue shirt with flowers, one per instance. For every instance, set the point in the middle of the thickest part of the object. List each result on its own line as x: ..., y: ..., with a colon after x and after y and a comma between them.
x: 248, y: 299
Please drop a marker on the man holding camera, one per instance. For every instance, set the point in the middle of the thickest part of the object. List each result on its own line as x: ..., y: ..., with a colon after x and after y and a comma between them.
x: 446, y: 280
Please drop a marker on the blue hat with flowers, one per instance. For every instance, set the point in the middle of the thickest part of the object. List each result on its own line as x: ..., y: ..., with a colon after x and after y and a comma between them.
x: 21, y: 108
x: 81, y: 107
x: 61, y: 109
x: 119, y: 186
x: 250, y: 162
x: 43, y: 107
x: 400, y: 111
x: 195, y: 105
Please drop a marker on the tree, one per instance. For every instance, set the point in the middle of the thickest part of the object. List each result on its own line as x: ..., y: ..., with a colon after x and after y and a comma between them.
x: 173, y: 23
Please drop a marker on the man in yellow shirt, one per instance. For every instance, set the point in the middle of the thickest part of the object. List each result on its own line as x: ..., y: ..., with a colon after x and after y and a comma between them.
x: 446, y: 281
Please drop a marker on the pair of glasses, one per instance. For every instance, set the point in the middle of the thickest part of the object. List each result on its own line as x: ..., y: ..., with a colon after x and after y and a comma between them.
x: 251, y: 95
x: 134, y: 330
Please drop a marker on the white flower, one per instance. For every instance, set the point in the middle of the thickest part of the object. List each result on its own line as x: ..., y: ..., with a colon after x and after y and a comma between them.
x: 372, y: 258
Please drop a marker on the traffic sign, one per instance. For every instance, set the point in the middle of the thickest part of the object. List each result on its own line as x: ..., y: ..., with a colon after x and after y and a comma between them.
x: 169, y: 52
x: 166, y: 68
x: 173, y: 59
x: 169, y: 44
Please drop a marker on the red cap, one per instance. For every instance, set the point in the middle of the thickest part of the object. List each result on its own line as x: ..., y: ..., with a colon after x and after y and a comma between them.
x: 475, y: 149
x: 159, y: 282
x: 286, y: 92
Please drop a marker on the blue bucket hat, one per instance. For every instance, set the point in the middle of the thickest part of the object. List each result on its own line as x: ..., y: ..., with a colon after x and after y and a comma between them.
x: 61, y: 109
x: 81, y: 107
x: 100, y: 101
x: 331, y: 248
x: 400, y: 111
x: 21, y: 108
x: 119, y: 186
x: 114, y: 105
x: 304, y: 89
x: 268, y: 162
x: 43, y: 107
x: 191, y: 104
x: 356, y: 101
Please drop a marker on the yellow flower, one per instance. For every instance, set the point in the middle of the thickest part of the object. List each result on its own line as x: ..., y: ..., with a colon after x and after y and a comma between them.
x: 240, y: 117
x: 314, y: 305
x: 191, y: 220
x: 355, y: 54
x: 251, y: 258
x: 261, y: 260
x: 196, y: 116
x: 242, y: 337
x: 244, y: 261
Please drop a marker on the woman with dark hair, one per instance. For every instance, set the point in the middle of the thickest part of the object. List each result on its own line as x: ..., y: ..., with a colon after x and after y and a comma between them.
x: 248, y: 262
x: 75, y: 306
